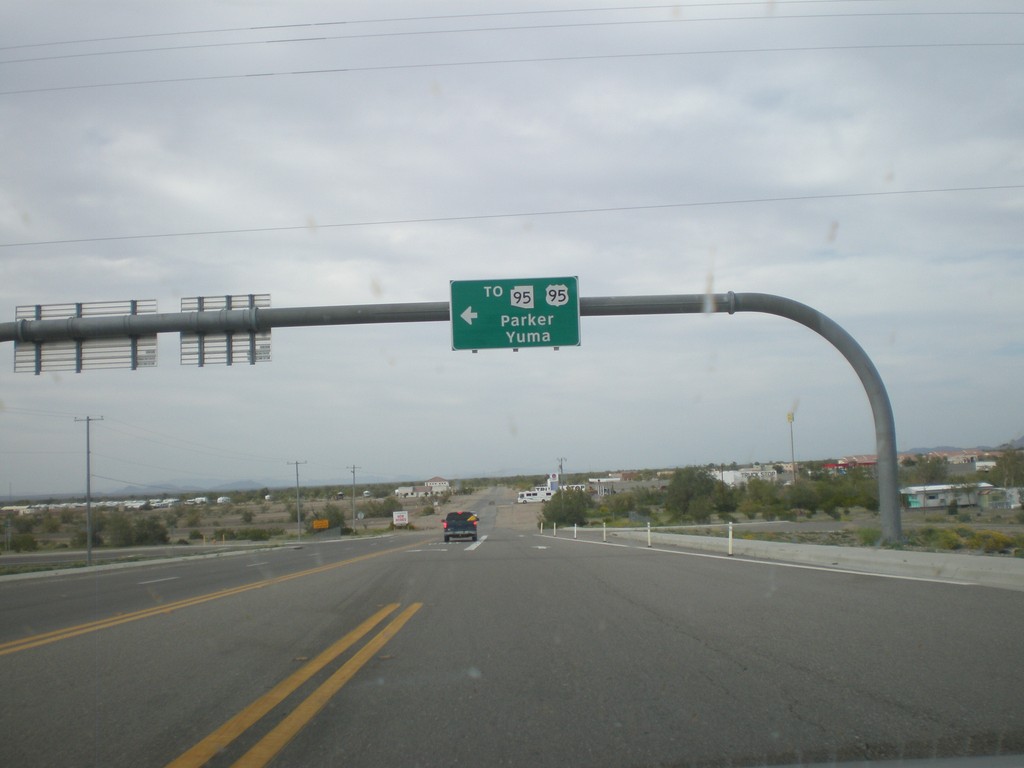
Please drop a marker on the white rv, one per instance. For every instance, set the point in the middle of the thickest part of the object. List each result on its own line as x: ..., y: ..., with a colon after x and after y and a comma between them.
x: 539, y: 494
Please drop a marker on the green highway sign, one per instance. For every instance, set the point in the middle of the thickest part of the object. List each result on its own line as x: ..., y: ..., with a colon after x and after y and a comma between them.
x: 511, y: 314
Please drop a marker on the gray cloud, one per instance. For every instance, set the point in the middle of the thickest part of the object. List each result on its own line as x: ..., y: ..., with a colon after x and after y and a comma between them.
x: 928, y: 283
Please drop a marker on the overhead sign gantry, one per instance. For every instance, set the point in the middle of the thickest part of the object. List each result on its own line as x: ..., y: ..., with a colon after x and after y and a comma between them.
x: 37, y: 332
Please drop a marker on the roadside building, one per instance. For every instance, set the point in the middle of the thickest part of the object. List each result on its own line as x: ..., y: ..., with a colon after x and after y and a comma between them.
x: 998, y: 499
x: 606, y: 485
x: 435, y: 486
x: 941, y: 496
x: 438, y: 485
x: 412, y: 491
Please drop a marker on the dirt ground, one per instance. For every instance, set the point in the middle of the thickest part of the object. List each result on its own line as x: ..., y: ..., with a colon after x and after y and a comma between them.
x: 517, y: 517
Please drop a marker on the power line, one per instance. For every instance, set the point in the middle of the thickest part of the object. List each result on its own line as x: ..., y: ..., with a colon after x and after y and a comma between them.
x: 153, y: 486
x: 33, y: 412
x: 189, y: 446
x: 504, y: 28
x: 440, y: 17
x: 520, y: 214
x: 164, y: 467
x: 39, y: 453
x: 495, y: 62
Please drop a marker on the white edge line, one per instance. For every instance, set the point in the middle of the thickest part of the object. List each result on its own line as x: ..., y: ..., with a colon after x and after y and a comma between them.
x: 157, y: 581
x: 776, y: 563
x: 586, y: 541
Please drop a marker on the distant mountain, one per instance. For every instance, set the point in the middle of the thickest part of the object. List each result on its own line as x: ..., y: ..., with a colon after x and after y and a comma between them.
x: 925, y: 451
x: 1018, y: 443
x: 182, y: 488
x: 1013, y: 444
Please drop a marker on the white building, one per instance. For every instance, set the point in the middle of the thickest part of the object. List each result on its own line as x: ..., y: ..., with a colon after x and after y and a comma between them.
x: 940, y: 496
x: 734, y: 477
x: 435, y: 486
x: 438, y: 485
x: 413, y: 491
x: 605, y: 485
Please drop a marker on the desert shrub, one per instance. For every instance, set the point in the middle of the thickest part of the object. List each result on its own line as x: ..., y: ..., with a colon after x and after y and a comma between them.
x: 24, y: 542
x: 991, y: 541
x: 937, y: 538
x: 868, y: 537
x: 948, y: 539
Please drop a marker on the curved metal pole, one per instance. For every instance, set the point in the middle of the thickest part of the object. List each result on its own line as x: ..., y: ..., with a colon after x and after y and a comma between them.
x: 885, y: 427
x: 881, y: 409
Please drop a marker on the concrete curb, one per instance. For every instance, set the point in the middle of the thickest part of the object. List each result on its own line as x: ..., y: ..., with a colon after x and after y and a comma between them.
x: 984, y: 570
x: 118, y: 566
x: 240, y: 549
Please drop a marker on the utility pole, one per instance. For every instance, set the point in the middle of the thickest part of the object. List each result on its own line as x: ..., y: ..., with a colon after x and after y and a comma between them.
x: 298, y: 508
x: 354, y: 468
x: 88, y: 486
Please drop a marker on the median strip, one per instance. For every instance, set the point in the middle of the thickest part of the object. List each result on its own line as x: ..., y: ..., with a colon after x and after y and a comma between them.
x: 36, y: 641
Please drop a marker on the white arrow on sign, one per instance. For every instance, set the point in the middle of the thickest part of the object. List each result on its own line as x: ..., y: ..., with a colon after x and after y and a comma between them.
x: 469, y: 315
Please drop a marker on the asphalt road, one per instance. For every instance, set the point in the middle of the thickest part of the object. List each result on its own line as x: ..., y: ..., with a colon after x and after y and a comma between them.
x: 520, y: 649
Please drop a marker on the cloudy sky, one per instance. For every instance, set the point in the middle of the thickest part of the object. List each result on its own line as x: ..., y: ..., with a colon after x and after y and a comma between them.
x: 865, y: 157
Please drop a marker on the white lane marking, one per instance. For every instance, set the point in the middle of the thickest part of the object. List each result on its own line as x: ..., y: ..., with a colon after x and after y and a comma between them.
x: 157, y: 581
x: 476, y: 544
x: 775, y: 563
x: 253, y: 565
x: 583, y: 541
x: 824, y: 568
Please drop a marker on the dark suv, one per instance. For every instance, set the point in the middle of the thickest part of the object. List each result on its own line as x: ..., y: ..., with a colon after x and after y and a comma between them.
x: 460, y: 525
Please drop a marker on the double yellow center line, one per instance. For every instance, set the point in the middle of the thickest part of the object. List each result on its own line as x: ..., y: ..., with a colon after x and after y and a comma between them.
x: 273, y: 742
x: 280, y: 735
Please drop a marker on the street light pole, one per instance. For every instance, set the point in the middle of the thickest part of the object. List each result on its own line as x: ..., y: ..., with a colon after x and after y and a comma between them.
x: 561, y: 494
x: 792, y: 452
